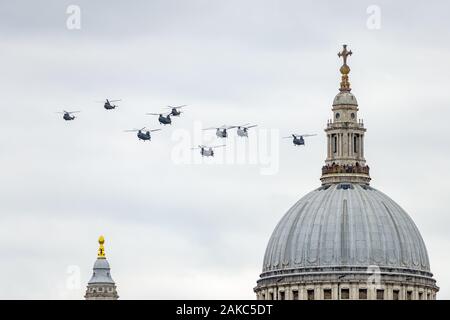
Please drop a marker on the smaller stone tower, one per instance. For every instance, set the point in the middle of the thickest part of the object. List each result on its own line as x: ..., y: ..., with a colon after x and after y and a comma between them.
x: 101, y: 286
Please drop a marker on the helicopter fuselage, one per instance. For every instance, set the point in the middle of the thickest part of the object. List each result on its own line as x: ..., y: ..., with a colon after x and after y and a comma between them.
x: 164, y: 119
x: 221, y: 133
x: 68, y: 117
x: 207, y: 152
x: 109, y: 106
x: 175, y: 112
x: 144, y: 135
x: 242, y: 132
x: 299, y: 141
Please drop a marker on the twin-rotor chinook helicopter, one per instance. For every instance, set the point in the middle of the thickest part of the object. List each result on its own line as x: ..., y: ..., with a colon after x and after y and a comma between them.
x: 164, y: 118
x: 206, y: 151
x: 298, y: 139
x: 143, y: 135
x: 242, y: 131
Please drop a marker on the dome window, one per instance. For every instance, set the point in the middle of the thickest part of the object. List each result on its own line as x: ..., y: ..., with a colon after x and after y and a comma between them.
x: 380, y: 294
x: 338, y: 115
x: 345, y: 186
x: 352, y: 115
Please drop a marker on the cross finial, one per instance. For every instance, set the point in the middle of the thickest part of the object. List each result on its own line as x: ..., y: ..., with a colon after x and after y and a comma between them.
x: 345, y: 53
x: 345, y: 69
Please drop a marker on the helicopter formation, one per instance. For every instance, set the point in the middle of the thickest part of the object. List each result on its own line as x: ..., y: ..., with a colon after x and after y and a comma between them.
x: 164, y: 118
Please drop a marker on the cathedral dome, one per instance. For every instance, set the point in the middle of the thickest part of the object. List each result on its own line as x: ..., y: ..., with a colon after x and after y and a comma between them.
x: 345, y: 98
x: 346, y: 225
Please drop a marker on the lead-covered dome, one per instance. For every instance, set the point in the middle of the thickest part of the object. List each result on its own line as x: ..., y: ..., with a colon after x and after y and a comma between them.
x: 346, y: 225
x: 345, y: 98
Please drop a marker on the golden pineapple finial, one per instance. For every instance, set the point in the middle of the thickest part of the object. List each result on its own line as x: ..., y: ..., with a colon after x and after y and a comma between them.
x: 101, y: 249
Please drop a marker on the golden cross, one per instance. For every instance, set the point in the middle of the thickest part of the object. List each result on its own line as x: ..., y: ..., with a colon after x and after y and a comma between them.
x: 345, y: 53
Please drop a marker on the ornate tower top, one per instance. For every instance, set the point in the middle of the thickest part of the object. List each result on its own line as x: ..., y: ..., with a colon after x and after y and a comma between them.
x: 345, y: 69
x: 345, y: 160
x: 101, y: 286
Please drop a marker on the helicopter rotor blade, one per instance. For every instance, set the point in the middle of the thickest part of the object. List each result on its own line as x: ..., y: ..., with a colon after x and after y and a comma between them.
x: 304, y: 135
x: 153, y: 130
x: 115, y: 100
x: 248, y: 127
x: 222, y: 145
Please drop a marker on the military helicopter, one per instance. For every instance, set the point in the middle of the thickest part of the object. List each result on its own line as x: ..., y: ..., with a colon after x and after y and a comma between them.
x: 299, y: 138
x: 207, y: 151
x: 242, y: 131
x: 108, y: 104
x: 221, y: 132
x: 67, y: 115
x: 176, y: 110
x: 163, y: 118
x: 144, y: 136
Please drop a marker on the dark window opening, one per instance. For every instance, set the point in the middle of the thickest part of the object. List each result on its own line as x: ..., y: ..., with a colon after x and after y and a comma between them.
x: 310, y: 294
x: 294, y: 294
x: 395, y: 295
x: 345, y: 294
x: 409, y: 295
x: 281, y: 295
x: 334, y: 144
x: 327, y: 294
x: 270, y: 296
x: 420, y: 295
x: 380, y: 294
x: 363, y: 294
x: 355, y: 143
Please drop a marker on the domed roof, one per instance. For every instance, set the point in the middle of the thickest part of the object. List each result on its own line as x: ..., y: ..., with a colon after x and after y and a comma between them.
x: 101, y: 272
x: 346, y: 225
x: 345, y: 98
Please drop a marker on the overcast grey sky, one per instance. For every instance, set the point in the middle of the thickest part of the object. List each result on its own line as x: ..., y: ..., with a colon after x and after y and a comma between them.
x: 199, y: 230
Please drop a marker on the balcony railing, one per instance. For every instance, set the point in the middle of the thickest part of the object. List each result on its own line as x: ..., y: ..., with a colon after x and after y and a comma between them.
x: 335, y: 168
